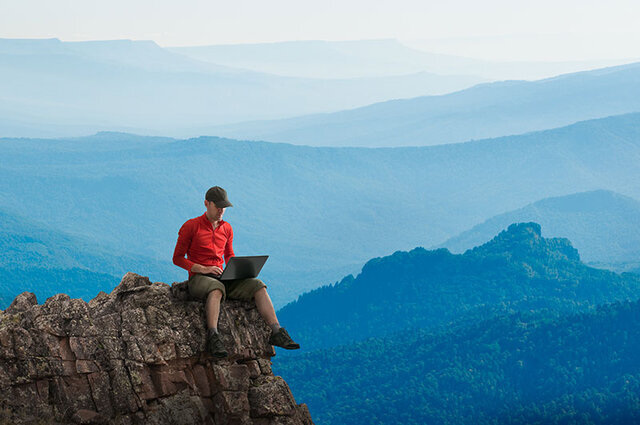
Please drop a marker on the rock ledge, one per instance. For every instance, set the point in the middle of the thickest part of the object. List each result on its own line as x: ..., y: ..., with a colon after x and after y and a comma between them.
x: 136, y: 356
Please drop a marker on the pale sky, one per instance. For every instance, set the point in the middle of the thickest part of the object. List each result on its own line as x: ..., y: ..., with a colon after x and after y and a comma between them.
x: 492, y: 29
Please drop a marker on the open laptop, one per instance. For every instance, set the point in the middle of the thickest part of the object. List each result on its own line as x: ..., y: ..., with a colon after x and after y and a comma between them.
x: 243, y: 267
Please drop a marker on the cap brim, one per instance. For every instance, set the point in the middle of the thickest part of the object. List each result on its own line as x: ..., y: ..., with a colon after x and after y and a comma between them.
x: 223, y: 204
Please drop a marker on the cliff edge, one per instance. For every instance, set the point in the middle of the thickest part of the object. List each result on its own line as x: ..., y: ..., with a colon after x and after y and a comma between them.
x: 136, y: 356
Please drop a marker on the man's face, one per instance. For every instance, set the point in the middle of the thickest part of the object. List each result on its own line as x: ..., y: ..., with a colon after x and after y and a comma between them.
x: 214, y: 213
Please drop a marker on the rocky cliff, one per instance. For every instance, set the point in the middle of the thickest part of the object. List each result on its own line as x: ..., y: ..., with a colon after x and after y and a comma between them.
x: 136, y: 356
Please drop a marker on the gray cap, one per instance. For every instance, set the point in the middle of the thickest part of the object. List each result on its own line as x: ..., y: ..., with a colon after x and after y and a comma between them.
x: 218, y: 196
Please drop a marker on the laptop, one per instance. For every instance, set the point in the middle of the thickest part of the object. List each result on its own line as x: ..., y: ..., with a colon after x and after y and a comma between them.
x: 243, y: 267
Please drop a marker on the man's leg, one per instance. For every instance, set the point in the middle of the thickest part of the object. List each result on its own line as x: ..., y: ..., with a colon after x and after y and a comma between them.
x: 245, y: 289
x: 279, y: 336
x: 265, y: 308
x: 214, y: 344
x: 212, y: 308
x: 212, y: 291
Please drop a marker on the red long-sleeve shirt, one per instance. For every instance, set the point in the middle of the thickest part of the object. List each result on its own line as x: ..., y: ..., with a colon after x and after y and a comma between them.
x: 202, y: 244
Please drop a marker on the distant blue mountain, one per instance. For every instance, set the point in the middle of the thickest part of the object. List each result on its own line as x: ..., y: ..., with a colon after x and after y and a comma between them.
x: 515, y: 331
x: 602, y: 225
x: 320, y: 213
x: 41, y: 260
x: 359, y: 58
x: 48, y: 281
x: 486, y: 110
x: 55, y: 88
x: 518, y: 368
x: 518, y: 270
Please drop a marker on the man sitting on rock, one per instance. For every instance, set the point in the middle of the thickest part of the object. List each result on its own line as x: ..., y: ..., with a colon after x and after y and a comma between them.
x: 205, y: 240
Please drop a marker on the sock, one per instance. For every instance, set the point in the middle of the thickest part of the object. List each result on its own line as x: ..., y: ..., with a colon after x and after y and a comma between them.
x: 275, y: 327
x: 212, y: 330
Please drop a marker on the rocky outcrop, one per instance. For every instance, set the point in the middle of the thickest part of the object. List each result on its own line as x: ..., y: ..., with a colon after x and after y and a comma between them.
x: 136, y: 356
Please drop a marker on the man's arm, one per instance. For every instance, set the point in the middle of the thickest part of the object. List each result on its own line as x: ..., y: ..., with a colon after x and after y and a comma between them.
x: 185, y: 234
x: 199, y: 268
x: 228, y: 248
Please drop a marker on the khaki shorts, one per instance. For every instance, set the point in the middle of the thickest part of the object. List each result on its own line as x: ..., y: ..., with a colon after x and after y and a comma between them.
x: 238, y: 289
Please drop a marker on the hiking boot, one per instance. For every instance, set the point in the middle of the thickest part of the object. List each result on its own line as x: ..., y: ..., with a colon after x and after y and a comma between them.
x: 215, y: 347
x: 282, y: 339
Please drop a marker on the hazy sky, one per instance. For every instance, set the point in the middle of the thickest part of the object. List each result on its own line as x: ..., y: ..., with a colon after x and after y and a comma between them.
x: 499, y: 29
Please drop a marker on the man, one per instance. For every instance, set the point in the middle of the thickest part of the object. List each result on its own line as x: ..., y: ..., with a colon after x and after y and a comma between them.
x: 205, y: 240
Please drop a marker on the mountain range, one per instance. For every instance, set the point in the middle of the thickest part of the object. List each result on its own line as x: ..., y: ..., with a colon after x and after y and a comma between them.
x: 482, y: 111
x: 52, y: 88
x: 516, y: 368
x: 518, y: 270
x: 601, y: 224
x: 373, y: 58
x: 46, y: 262
x: 517, y: 330
x: 55, y: 88
x: 303, y: 205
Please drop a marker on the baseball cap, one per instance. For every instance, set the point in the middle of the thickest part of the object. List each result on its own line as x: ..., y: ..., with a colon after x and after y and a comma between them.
x: 218, y: 196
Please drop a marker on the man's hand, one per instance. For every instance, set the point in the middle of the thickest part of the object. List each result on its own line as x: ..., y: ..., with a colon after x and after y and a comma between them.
x: 214, y: 270
x: 199, y: 268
